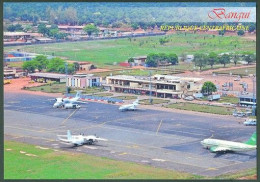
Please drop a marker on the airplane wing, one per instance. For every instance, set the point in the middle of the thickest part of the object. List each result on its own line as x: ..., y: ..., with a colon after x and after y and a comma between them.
x: 219, y: 149
x: 101, y: 139
x: 92, y: 137
x: 64, y: 140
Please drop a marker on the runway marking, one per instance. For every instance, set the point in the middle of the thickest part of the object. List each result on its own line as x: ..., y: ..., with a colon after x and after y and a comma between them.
x: 133, y: 146
x: 211, y: 169
x: 22, y: 152
x: 8, y: 149
x: 43, y: 148
x: 31, y: 155
x: 124, y: 153
x: 159, y: 160
x: 68, y: 117
x: 158, y: 127
x: 186, y: 132
x: 90, y: 147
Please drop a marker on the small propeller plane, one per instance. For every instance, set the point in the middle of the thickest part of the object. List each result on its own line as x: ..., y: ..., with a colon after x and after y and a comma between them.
x: 78, y: 140
x: 130, y: 107
x: 62, y: 102
x: 216, y: 145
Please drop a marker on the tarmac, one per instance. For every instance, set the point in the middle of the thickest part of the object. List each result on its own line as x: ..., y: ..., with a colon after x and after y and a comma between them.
x: 165, y: 139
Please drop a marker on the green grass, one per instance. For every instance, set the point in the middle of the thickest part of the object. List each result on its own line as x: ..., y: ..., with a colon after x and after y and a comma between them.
x: 249, y: 174
x: 104, y: 52
x: 49, y: 164
x: 136, y: 72
x: 232, y: 100
x: 126, y: 97
x: 104, y: 94
x: 201, y: 108
x: 155, y: 101
x: 61, y: 88
x: 239, y: 71
x: 49, y: 88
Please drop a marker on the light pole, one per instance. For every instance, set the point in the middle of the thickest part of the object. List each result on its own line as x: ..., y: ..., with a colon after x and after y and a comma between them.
x: 66, y: 70
x: 150, y: 87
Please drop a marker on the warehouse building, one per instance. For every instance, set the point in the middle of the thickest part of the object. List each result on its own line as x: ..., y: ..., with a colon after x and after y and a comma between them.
x: 164, y: 86
x: 45, y: 77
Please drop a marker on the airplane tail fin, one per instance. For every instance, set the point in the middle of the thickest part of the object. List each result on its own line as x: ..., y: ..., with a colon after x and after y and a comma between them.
x: 68, y: 135
x: 78, y: 94
x: 252, y: 140
x: 136, y: 102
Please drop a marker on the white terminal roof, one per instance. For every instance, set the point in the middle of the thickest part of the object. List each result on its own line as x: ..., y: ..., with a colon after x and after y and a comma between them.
x: 15, y: 33
x: 156, y: 78
x: 48, y: 75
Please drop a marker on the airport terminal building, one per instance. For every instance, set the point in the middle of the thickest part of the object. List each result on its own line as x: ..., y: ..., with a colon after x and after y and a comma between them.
x: 164, y: 86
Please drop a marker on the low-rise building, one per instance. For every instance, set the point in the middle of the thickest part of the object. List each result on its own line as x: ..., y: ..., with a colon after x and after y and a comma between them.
x: 247, y: 100
x: 83, y: 81
x: 45, y: 77
x: 164, y: 86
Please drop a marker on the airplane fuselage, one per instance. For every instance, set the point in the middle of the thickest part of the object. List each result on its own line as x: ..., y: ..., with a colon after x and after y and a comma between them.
x: 233, y: 146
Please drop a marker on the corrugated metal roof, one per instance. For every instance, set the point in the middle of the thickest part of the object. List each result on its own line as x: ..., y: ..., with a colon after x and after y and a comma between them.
x: 48, y: 75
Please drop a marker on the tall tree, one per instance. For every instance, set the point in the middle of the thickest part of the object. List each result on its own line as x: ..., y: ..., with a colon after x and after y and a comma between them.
x: 240, y: 32
x: 251, y: 27
x: 70, y: 15
x: 76, y: 66
x: 131, y: 60
x: 249, y: 57
x: 173, y: 59
x: 151, y: 60
x: 224, y: 59
x: 30, y: 66
x: 200, y: 60
x: 235, y: 58
x: 42, y: 62
x: 55, y: 65
x: 43, y: 29
x: 212, y: 59
x: 208, y: 87
x: 90, y: 29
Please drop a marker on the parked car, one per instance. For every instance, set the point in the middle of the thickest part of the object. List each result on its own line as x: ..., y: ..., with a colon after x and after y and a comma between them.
x: 225, y: 85
x: 214, y: 97
x: 239, y: 114
x: 237, y: 79
x: 250, y: 122
x: 189, y: 98
x: 225, y: 89
x: 71, y: 106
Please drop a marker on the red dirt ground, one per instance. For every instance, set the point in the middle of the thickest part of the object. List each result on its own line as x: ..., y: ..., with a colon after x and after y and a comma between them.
x: 17, y: 85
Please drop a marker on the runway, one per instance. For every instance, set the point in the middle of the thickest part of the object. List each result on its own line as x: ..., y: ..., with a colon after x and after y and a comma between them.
x: 169, y: 140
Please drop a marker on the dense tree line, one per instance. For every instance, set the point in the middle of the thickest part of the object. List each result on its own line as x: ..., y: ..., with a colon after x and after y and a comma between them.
x: 53, y: 65
x: 201, y: 60
x: 153, y: 60
x: 135, y: 15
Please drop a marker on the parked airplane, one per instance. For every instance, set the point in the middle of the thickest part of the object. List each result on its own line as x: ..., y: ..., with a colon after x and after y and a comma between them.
x: 216, y: 145
x: 129, y: 107
x: 77, y: 140
x: 61, y: 102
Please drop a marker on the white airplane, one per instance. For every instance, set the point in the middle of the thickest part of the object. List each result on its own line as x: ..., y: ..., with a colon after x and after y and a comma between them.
x: 129, y: 107
x: 77, y: 140
x: 61, y: 102
x: 216, y: 145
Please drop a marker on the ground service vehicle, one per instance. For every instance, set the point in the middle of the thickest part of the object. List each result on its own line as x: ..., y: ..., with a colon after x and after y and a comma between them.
x: 214, y: 97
